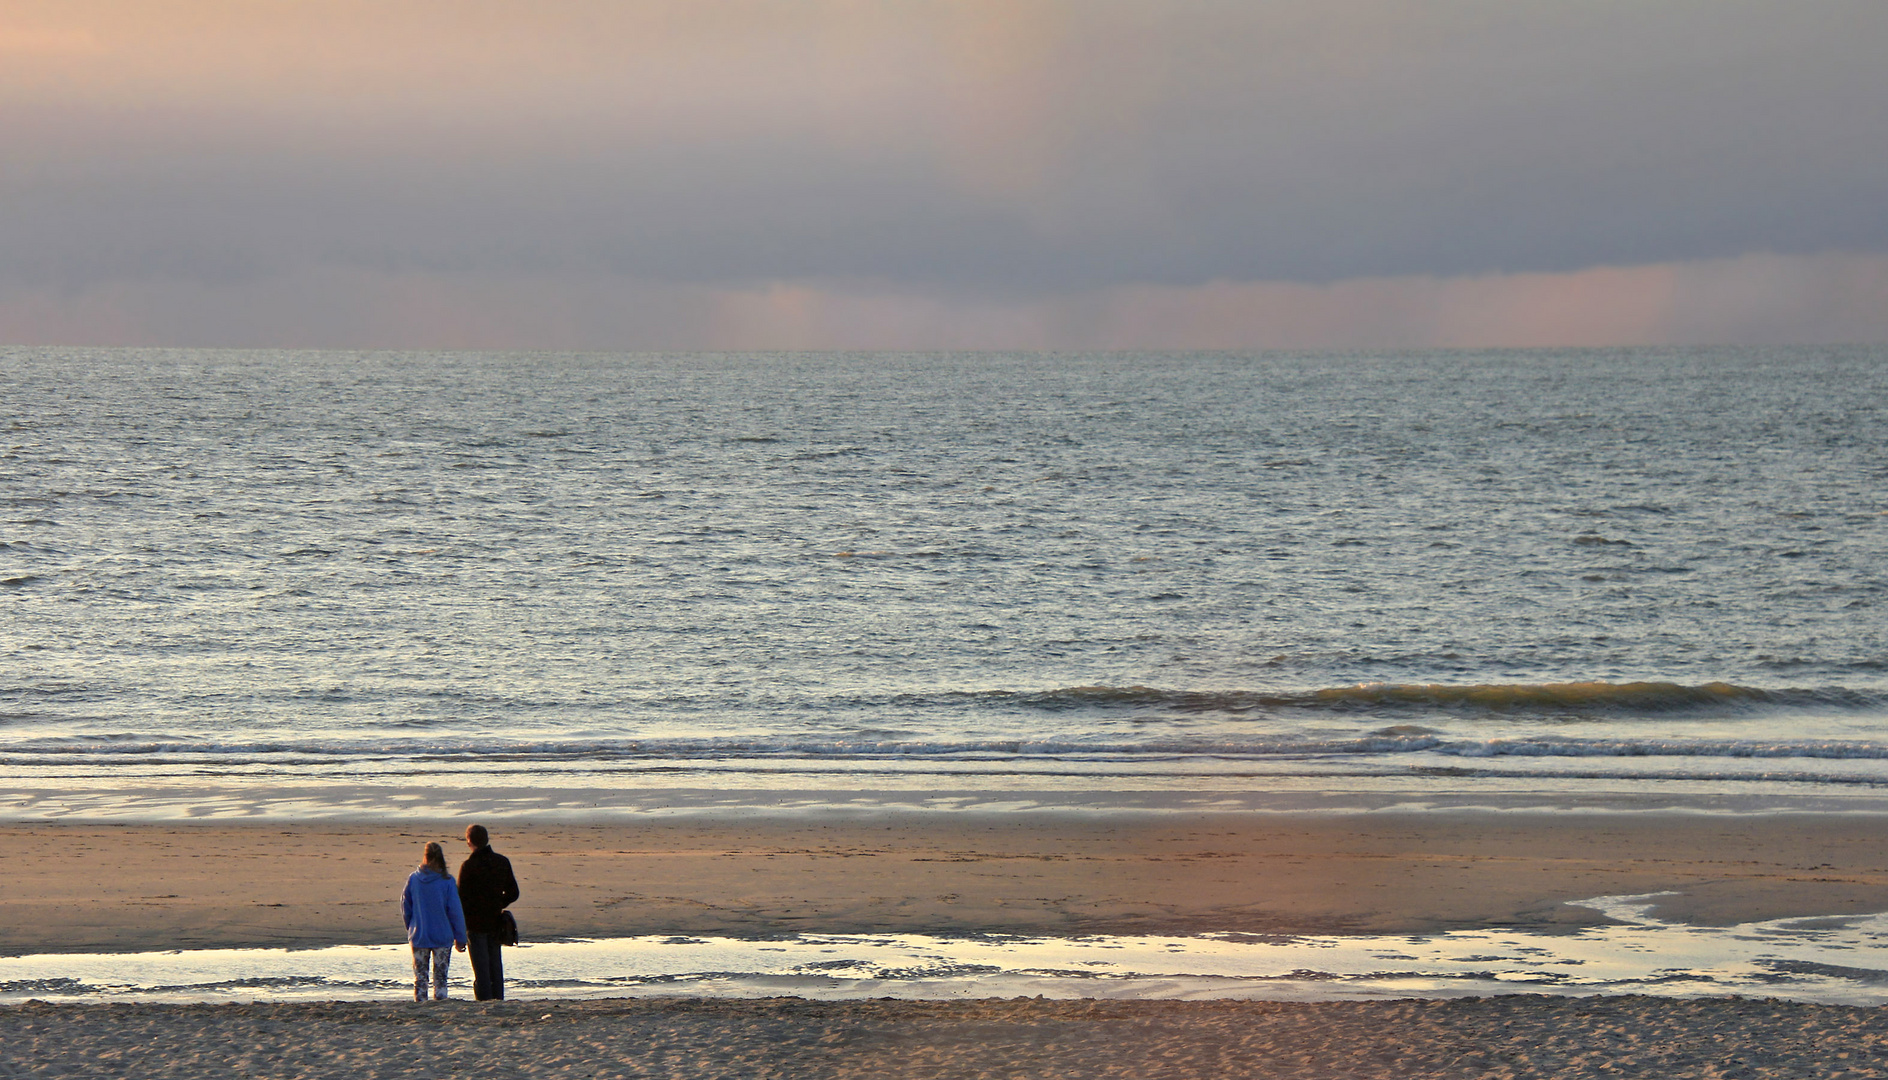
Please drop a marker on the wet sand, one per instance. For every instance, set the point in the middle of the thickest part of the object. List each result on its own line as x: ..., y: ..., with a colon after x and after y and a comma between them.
x: 133, y: 887
x: 682, y: 1038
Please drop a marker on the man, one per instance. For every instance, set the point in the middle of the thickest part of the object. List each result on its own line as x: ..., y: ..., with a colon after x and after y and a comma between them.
x: 486, y: 888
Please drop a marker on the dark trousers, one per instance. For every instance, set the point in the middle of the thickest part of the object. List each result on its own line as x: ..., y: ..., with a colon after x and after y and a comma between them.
x: 488, y: 967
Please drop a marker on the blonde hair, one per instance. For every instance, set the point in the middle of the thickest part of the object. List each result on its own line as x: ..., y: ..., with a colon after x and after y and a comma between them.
x: 435, y: 859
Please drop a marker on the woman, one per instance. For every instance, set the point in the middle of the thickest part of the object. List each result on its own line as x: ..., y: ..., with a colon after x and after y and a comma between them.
x: 434, y: 922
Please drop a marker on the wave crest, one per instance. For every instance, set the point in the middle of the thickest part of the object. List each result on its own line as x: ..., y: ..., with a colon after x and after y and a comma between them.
x: 1577, y: 696
x: 1390, y: 742
x: 1598, y: 698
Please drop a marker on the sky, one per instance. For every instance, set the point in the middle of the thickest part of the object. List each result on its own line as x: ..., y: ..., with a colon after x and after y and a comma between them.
x: 954, y: 174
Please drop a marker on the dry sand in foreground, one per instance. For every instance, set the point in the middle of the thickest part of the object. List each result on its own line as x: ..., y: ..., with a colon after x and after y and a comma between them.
x: 111, y: 888
x: 683, y: 1039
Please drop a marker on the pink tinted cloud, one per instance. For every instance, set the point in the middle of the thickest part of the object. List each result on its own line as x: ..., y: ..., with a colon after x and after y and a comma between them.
x: 1755, y: 299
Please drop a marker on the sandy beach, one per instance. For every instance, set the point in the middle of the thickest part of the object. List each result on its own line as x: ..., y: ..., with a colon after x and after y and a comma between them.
x: 96, y: 887
x: 1519, y: 1036
x: 132, y: 887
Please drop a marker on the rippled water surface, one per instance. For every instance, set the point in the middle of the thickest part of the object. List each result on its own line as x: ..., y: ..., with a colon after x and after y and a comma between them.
x: 1621, y: 572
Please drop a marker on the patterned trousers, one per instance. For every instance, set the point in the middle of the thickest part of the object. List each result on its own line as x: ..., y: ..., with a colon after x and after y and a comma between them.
x: 434, y: 961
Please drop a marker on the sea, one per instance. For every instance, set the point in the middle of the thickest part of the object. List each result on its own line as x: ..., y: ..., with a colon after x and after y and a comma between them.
x: 298, y: 585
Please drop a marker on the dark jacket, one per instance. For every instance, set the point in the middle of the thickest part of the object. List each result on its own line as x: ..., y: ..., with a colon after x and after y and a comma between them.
x: 486, y: 888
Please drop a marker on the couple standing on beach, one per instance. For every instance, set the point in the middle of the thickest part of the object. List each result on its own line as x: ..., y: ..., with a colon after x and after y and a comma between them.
x: 469, y: 915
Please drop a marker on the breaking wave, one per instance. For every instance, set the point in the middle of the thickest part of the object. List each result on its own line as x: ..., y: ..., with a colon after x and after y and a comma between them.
x: 182, y: 751
x: 1457, y: 722
x: 1597, y: 698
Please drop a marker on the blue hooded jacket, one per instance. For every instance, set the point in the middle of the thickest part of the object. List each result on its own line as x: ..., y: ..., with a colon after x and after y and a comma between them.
x: 431, y: 909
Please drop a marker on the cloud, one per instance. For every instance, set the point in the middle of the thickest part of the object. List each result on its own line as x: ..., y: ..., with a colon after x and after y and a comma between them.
x: 961, y: 156
x: 1750, y: 300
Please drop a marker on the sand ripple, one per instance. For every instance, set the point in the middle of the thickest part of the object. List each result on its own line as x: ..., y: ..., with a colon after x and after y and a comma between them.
x: 1513, y: 1036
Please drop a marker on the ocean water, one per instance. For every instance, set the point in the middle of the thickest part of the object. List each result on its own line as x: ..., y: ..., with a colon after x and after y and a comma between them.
x: 333, y: 584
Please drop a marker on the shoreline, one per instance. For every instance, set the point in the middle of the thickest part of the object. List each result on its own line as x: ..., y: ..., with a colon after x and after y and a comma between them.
x: 77, y: 797
x: 129, y: 887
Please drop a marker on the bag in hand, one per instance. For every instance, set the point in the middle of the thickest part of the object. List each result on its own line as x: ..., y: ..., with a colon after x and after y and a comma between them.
x: 507, y: 929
